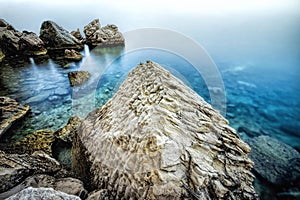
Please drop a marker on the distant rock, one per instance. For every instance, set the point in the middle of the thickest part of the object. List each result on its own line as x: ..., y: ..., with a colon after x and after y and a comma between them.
x: 77, y: 78
x: 72, y: 55
x: 10, y: 112
x: 157, y: 139
x: 108, y: 35
x: 42, y: 194
x: 276, y: 162
x: 57, y: 38
x: 77, y: 34
x: 14, y: 42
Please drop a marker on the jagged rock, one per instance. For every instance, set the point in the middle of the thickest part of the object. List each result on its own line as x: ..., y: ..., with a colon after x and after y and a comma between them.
x: 14, y: 42
x: 78, y: 77
x: 105, y: 36
x: 42, y: 194
x: 67, y: 132
x: 157, y: 139
x: 14, y: 168
x: 10, y: 112
x: 57, y: 38
x: 72, y: 55
x: 77, y: 34
x: 276, y: 162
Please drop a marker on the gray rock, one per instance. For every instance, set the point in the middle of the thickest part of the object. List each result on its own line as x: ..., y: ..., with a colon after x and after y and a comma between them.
x: 157, y: 139
x: 42, y: 194
x: 31, y: 44
x: 274, y: 160
x: 108, y: 35
x: 10, y: 112
x: 57, y: 38
x: 77, y: 78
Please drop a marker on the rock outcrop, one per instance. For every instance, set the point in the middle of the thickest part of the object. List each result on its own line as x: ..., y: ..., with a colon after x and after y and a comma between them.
x: 42, y: 193
x: 276, y: 162
x: 72, y: 55
x: 14, y: 42
x: 10, y: 112
x: 77, y: 78
x: 77, y: 34
x: 57, y: 38
x: 157, y: 139
x: 108, y: 35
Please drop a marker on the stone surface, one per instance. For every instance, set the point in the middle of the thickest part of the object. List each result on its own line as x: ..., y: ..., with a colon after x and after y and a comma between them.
x: 276, y: 162
x: 14, y: 42
x: 77, y: 34
x: 108, y: 35
x: 78, y: 77
x: 57, y: 38
x: 157, y: 139
x: 14, y: 168
x: 10, y: 112
x: 67, y: 132
x: 72, y: 55
x: 2, y: 55
x: 42, y: 194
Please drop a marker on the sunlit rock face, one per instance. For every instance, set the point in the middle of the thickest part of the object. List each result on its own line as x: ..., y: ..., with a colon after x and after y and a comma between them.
x: 157, y: 139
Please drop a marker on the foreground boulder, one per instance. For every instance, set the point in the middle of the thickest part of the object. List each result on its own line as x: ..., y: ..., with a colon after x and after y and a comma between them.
x: 77, y: 78
x: 275, y: 162
x: 10, y: 112
x: 57, y: 38
x: 157, y: 139
x: 42, y: 193
x: 14, y: 42
x: 108, y: 35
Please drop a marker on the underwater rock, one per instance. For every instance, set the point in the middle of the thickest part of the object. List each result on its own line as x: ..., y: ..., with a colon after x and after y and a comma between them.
x: 78, y: 77
x: 61, y: 91
x: 72, y: 55
x: 157, y: 139
x: 77, y: 34
x: 10, y: 112
x: 14, y: 168
x: 42, y: 193
x: 57, y: 38
x: 274, y: 160
x: 108, y: 35
x: 14, y: 42
x: 248, y: 132
x: 38, y: 98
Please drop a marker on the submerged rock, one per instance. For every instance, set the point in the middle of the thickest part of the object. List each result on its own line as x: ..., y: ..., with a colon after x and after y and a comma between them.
x: 108, y: 35
x: 72, y: 55
x: 14, y: 42
x: 77, y: 34
x: 157, y: 139
x: 42, y: 193
x: 78, y: 77
x: 10, y: 112
x: 276, y: 162
x: 57, y: 38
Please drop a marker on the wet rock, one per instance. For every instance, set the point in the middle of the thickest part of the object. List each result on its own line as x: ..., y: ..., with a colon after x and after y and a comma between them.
x: 157, y: 139
x: 72, y: 55
x: 10, y: 112
x: 108, y: 35
x: 77, y: 34
x: 67, y: 132
x: 274, y: 160
x: 42, y: 193
x: 14, y: 42
x: 78, y: 77
x: 14, y: 168
x: 57, y: 38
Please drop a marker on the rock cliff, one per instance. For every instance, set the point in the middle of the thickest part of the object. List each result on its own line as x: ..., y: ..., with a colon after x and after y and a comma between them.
x: 157, y: 139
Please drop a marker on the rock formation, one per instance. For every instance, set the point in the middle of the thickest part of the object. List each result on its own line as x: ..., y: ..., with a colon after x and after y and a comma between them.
x: 105, y: 36
x: 78, y: 77
x: 42, y: 193
x: 57, y: 38
x: 72, y: 55
x: 14, y: 42
x: 157, y: 139
x: 10, y: 112
x: 77, y: 34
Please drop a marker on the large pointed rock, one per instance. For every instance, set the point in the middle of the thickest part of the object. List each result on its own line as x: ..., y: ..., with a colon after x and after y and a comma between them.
x: 157, y: 139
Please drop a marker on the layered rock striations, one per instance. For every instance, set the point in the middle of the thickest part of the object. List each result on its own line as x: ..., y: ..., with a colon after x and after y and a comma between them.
x: 108, y: 35
x: 157, y: 139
